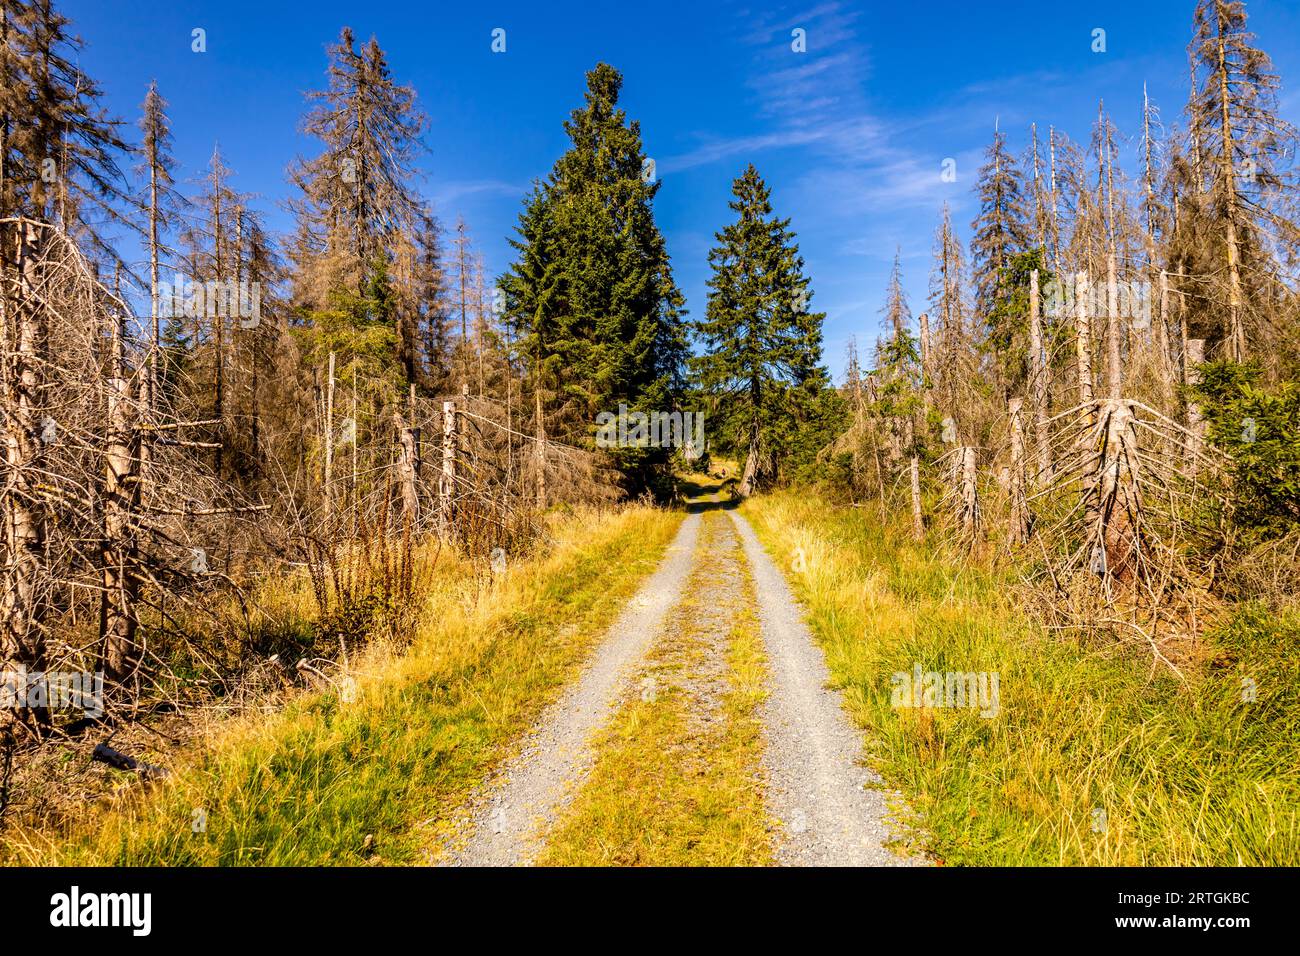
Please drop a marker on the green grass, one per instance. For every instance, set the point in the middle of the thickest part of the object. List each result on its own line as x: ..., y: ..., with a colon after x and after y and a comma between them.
x: 307, y: 785
x: 1185, y: 774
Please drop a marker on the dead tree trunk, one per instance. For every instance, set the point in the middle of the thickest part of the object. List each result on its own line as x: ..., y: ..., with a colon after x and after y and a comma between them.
x: 408, y: 468
x: 23, y: 602
x: 1114, y: 379
x: 1083, y: 342
x: 970, y: 505
x: 927, y: 362
x: 914, y: 478
x: 540, y: 450
x: 447, y: 481
x: 120, y: 598
x: 1040, y: 371
x: 153, y: 378
x: 1019, y: 529
x: 1162, y: 331
x: 1236, y: 335
x: 1117, y: 530
x: 329, y: 440
x: 1087, y: 456
x: 462, y: 434
x: 1193, y: 358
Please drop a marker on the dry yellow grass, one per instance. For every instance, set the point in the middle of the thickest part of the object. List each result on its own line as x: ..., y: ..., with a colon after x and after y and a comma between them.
x: 391, y: 753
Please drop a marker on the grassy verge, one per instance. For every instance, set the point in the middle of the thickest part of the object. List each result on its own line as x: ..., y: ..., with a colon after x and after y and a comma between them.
x: 677, y: 781
x: 1093, y: 757
x: 394, y: 756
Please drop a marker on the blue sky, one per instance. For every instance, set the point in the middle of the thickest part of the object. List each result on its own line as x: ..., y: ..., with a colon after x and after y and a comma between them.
x: 850, y: 135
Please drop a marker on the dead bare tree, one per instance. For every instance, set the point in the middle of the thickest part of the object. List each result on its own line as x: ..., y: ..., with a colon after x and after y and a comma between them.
x: 79, y: 524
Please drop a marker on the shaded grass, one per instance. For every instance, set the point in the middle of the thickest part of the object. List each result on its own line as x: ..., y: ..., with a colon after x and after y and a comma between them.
x: 396, y: 757
x: 1096, y: 757
x: 673, y: 784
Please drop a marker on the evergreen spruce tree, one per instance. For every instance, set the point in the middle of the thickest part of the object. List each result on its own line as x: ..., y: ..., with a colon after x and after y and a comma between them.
x: 1000, y: 231
x: 427, y: 304
x: 590, y: 297
x: 762, y: 344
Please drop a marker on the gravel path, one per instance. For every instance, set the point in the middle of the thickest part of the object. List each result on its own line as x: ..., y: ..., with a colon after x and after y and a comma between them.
x: 817, y: 785
x: 519, y: 803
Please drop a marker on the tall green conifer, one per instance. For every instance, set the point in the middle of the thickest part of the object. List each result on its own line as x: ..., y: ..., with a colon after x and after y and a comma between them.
x: 591, y: 296
x: 762, y: 343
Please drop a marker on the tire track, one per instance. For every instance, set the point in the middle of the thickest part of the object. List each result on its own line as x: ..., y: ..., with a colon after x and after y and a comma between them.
x: 677, y: 776
x: 817, y: 784
x: 517, y: 806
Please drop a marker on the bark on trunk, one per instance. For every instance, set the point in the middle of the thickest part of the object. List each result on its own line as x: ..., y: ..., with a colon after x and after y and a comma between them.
x: 914, y: 479
x: 540, y: 449
x: 1040, y: 386
x: 1019, y: 530
x: 23, y: 602
x: 750, y: 475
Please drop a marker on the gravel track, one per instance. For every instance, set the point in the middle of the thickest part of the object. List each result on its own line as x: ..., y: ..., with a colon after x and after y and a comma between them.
x: 828, y: 802
x: 817, y: 784
x: 513, y: 811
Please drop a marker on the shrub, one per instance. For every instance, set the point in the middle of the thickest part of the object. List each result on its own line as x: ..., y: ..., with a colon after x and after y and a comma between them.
x: 1259, y: 429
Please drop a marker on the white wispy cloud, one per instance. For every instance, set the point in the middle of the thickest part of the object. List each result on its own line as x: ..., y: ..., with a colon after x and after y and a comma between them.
x: 449, y: 193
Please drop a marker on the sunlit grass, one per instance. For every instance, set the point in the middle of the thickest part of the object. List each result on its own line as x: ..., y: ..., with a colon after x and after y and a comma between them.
x: 309, y: 784
x: 1094, y: 758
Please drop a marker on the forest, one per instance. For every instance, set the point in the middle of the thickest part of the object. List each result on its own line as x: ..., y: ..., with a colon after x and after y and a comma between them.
x: 252, y: 479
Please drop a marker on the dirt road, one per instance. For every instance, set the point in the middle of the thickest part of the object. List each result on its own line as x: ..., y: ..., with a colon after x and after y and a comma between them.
x: 825, y: 806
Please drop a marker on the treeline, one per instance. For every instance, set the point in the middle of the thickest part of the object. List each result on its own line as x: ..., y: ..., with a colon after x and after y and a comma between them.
x: 192, y: 403
x: 1104, y: 382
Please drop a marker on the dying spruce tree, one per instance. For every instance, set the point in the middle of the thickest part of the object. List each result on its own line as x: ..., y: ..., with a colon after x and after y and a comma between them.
x: 1244, y: 155
x: 161, y: 203
x: 955, y: 366
x: 358, y: 206
x: 899, y: 369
